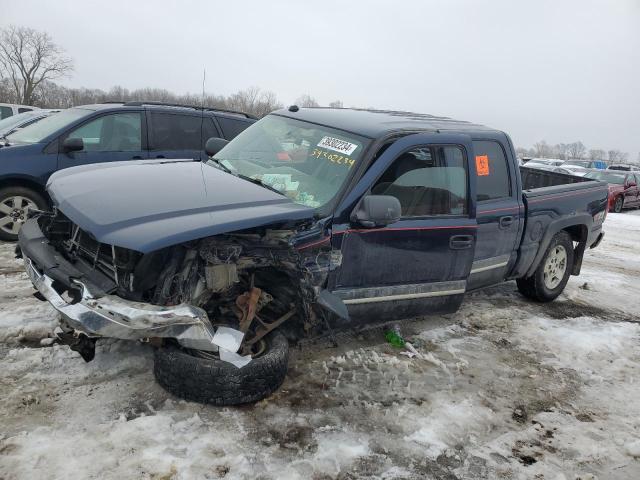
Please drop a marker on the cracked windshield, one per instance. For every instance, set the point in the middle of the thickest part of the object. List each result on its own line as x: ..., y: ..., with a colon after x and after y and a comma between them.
x: 306, y: 162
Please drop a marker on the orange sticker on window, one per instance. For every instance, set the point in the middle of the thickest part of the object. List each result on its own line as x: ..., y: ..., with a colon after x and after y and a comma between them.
x: 482, y: 165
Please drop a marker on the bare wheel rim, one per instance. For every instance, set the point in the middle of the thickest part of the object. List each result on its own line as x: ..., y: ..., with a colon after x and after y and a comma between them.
x: 13, y: 213
x: 555, y: 267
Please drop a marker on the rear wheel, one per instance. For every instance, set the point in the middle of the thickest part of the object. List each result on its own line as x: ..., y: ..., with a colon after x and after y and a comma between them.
x: 619, y: 203
x: 553, y: 273
x: 15, y: 204
x: 202, y: 377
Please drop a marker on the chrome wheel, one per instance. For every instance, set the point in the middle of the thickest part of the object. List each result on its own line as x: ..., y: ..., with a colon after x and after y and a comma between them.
x: 13, y: 213
x: 555, y: 267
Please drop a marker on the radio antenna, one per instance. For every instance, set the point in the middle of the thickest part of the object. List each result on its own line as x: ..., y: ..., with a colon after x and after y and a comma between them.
x: 202, y: 129
x: 204, y: 79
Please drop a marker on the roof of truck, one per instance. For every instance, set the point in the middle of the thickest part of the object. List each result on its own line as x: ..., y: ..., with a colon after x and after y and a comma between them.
x: 376, y: 123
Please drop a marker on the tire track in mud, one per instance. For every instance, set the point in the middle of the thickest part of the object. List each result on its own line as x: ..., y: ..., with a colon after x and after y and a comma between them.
x: 377, y: 391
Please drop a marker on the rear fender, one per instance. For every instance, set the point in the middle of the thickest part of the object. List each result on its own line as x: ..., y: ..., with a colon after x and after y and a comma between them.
x: 578, y: 227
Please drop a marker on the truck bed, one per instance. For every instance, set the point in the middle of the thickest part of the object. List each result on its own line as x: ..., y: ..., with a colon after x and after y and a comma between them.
x: 533, y: 178
x: 552, y: 202
x: 541, y: 186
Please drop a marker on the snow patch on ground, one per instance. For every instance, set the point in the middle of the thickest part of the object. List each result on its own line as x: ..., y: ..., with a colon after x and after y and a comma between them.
x: 449, y: 424
x: 504, y: 388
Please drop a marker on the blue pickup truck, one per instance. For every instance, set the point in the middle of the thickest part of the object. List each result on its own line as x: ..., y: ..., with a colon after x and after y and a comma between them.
x: 310, y: 221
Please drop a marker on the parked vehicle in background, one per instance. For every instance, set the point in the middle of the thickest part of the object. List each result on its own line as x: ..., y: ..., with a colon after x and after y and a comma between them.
x: 624, y: 167
x: 576, y: 170
x: 623, y: 188
x: 545, y: 161
x: 22, y: 120
x: 9, y: 109
x: 310, y: 221
x: 549, y: 168
x: 593, y: 164
x: 106, y: 132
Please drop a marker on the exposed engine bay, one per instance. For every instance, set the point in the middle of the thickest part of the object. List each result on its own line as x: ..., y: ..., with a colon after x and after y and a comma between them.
x: 252, y: 281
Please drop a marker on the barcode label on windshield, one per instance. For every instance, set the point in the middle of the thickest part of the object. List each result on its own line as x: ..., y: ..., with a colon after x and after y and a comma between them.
x: 337, y: 145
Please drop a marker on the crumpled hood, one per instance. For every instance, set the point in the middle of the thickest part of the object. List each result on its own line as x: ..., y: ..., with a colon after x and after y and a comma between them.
x: 148, y: 205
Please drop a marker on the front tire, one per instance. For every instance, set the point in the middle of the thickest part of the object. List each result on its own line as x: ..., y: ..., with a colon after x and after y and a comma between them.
x: 552, y: 275
x: 207, y: 379
x: 618, y: 205
x: 15, y: 204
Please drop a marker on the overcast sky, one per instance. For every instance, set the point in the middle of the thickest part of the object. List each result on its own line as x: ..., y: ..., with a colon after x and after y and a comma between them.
x: 542, y: 69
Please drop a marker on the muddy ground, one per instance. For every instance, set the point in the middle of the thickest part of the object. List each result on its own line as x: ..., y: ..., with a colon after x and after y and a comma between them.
x: 505, y: 389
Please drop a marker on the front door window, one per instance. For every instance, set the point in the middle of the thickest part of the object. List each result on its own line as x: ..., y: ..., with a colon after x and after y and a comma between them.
x: 119, y: 132
x: 428, y: 181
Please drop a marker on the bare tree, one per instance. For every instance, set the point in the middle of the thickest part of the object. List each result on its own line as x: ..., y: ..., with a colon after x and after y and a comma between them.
x: 7, y: 94
x: 29, y: 58
x: 306, y: 100
x: 336, y: 104
x: 561, y: 151
x: 254, y: 101
x: 576, y: 150
x: 618, y: 156
x: 597, y: 154
x: 542, y: 149
x: 50, y: 95
x: 522, y: 152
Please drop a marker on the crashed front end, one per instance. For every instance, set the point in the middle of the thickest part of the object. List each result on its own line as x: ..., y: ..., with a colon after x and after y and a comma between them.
x: 245, y: 283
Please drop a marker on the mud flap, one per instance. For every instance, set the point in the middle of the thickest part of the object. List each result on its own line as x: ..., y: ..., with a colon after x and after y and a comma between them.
x: 578, y: 255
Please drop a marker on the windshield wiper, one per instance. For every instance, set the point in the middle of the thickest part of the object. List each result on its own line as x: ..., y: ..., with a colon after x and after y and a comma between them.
x: 259, y: 182
x: 219, y: 163
x: 255, y: 181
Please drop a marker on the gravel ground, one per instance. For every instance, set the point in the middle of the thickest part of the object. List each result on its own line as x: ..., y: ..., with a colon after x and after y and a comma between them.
x: 505, y: 389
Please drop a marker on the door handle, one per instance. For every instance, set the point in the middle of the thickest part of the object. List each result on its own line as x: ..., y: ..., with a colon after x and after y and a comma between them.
x: 506, y: 222
x: 136, y: 157
x: 460, y: 242
x: 160, y: 156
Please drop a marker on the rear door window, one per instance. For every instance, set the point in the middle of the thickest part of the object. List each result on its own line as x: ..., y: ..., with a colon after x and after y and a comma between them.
x: 170, y: 131
x: 231, y: 127
x: 493, y: 180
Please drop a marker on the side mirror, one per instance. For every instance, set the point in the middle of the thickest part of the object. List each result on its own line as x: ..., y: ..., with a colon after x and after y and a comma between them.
x: 214, y: 145
x: 377, y: 211
x: 72, y: 145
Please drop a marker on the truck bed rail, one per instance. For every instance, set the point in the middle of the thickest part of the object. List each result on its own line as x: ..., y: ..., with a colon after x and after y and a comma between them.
x: 535, y: 178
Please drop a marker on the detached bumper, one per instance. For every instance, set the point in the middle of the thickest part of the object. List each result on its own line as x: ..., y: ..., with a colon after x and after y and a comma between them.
x: 101, y: 315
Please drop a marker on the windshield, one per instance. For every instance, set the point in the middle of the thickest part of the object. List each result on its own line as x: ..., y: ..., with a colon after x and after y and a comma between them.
x: 10, y: 122
x: 306, y: 162
x: 40, y: 130
x: 616, y: 178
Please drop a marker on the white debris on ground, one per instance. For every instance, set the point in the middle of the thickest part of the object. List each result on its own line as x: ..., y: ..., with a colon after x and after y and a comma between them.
x: 504, y: 389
